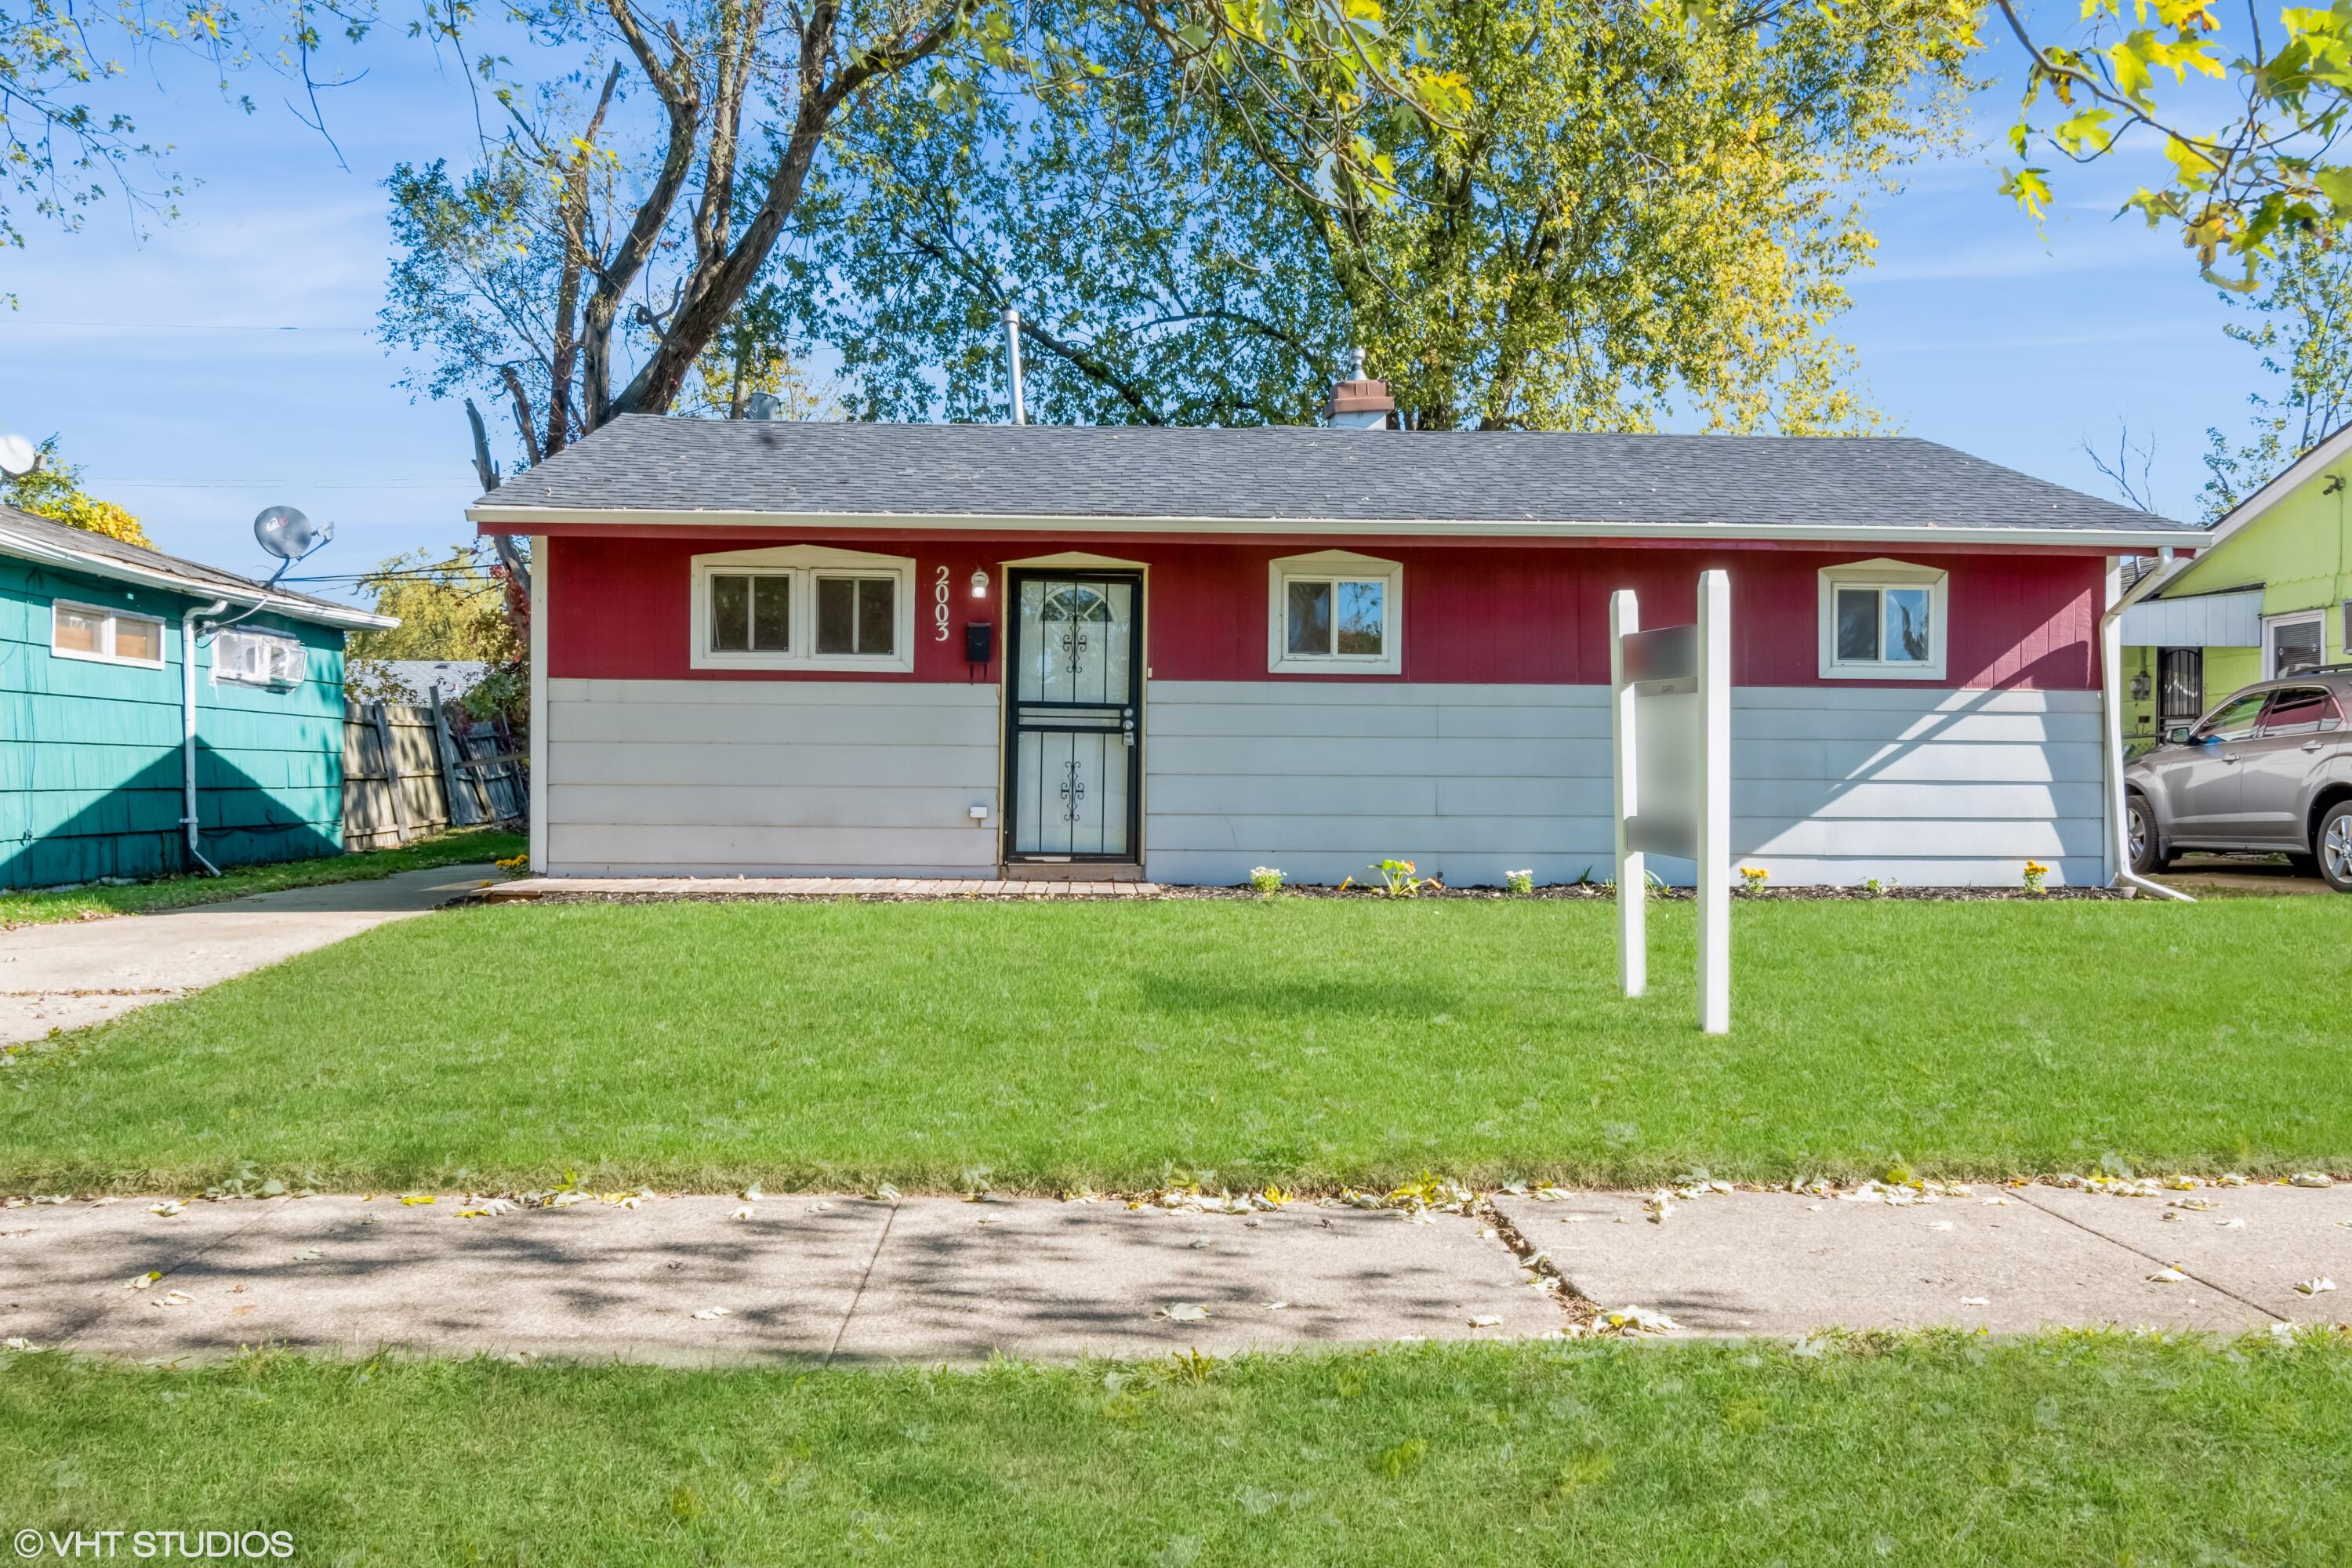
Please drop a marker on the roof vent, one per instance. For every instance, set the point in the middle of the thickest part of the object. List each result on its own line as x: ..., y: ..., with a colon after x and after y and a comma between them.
x: 1359, y: 403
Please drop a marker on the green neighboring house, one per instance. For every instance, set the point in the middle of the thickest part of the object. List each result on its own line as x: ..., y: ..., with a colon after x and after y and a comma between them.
x: 96, y: 742
x: 2268, y: 594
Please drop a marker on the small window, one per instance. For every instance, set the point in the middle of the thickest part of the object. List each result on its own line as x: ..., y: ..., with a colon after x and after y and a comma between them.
x: 1883, y: 620
x: 751, y: 613
x: 2300, y: 710
x: 258, y: 658
x: 2294, y: 643
x: 1335, y: 612
x: 856, y: 615
x: 107, y: 635
x: 805, y: 607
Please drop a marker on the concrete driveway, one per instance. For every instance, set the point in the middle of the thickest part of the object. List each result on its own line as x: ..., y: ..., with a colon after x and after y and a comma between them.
x: 83, y: 972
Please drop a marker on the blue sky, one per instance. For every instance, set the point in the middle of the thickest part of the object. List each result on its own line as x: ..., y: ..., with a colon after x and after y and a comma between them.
x: 227, y: 363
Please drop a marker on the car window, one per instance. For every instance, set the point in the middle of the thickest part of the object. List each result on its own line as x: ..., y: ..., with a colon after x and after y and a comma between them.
x: 2235, y: 720
x: 2300, y: 710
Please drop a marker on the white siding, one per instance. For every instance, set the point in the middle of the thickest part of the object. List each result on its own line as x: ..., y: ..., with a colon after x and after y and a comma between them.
x: 769, y: 777
x: 1829, y: 784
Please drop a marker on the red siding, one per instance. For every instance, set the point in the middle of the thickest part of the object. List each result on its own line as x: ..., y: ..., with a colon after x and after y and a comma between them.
x: 1472, y: 614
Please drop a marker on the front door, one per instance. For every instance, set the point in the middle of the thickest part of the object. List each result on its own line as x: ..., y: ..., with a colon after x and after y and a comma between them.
x: 1074, y: 716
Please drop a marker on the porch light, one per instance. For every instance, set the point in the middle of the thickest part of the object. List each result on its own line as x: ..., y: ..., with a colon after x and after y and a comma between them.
x: 980, y: 583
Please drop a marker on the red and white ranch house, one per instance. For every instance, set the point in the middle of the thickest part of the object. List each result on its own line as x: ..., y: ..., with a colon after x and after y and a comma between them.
x: 875, y: 650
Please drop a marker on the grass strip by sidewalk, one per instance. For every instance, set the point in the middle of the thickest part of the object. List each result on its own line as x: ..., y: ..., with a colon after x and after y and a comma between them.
x: 1941, y: 1449
x: 454, y: 848
x: 1041, y: 1047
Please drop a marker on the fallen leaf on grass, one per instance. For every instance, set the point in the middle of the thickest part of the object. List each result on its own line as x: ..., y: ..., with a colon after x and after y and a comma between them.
x: 2314, y: 1287
x: 1184, y: 1312
x: 709, y: 1312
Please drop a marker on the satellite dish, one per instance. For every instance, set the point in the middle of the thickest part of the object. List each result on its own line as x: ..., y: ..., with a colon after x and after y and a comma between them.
x: 287, y: 533
x: 18, y: 456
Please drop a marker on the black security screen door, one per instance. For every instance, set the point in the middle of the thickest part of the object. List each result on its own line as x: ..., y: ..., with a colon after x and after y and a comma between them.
x: 1074, y: 715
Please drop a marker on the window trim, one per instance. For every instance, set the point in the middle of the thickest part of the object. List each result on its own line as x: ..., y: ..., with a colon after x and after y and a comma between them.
x: 224, y: 677
x: 1335, y: 566
x: 107, y: 655
x: 801, y: 564
x: 2272, y: 624
x: 1885, y: 574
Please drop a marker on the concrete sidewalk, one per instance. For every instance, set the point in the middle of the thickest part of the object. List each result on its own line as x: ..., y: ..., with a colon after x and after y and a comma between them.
x: 685, y: 1280
x: 75, y: 972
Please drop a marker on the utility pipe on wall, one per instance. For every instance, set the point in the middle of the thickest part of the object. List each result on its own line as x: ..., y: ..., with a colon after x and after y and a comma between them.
x: 2111, y: 719
x: 188, y: 619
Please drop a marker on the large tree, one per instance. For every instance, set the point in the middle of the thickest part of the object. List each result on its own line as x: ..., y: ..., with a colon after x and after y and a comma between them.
x: 1627, y: 218
x: 2300, y: 326
x: 53, y: 490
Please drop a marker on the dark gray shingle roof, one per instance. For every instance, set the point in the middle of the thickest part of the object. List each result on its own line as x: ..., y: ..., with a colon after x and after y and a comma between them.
x: 646, y: 462
x: 81, y: 541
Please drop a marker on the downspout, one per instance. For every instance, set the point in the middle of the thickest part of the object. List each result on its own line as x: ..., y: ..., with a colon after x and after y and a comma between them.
x: 188, y: 619
x: 2111, y: 719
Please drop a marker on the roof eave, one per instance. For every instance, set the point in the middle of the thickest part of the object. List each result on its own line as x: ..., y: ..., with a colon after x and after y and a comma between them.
x: 156, y: 577
x: 510, y: 518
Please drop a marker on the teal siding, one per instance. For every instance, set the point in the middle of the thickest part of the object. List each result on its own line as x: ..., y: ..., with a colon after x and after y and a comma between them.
x: 89, y: 753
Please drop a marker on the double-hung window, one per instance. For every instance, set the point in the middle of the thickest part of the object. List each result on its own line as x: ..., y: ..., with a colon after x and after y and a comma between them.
x: 1883, y: 620
x: 801, y: 607
x: 1334, y: 613
x: 105, y: 635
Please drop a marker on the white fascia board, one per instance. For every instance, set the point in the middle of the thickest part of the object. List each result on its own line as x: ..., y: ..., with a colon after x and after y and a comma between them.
x: 30, y: 549
x: 499, y: 519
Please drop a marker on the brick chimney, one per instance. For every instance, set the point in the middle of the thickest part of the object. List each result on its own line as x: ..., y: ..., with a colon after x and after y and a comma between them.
x: 1359, y: 403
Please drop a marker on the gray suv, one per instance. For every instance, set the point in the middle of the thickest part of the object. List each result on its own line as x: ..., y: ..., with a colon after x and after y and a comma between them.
x: 2270, y: 769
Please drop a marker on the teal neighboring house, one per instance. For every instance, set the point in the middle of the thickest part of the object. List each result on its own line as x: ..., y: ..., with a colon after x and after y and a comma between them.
x: 100, y: 730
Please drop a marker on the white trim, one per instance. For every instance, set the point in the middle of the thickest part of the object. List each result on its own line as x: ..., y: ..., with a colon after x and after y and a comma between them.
x: 511, y: 518
x: 1335, y: 566
x: 2272, y: 624
x: 106, y: 654
x: 25, y: 546
x: 1884, y: 574
x: 1080, y: 559
x: 804, y: 566
x: 543, y: 746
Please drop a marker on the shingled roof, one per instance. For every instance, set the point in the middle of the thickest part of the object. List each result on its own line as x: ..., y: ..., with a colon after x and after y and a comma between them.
x: 677, y: 469
x: 24, y: 534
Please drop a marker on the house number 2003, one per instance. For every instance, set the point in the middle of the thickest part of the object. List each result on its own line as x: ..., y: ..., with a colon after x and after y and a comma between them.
x: 939, y: 605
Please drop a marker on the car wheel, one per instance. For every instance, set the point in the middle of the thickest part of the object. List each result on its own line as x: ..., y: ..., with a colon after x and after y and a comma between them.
x: 2333, y: 844
x: 2147, y: 849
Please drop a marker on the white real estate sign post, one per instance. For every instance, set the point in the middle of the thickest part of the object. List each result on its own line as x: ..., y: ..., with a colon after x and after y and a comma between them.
x: 1670, y: 726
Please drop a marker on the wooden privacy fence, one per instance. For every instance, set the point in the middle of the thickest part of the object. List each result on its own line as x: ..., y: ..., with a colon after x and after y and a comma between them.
x: 408, y: 770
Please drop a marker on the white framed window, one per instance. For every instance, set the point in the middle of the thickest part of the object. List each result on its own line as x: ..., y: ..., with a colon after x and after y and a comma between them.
x: 105, y: 635
x: 1883, y: 620
x: 1335, y: 612
x: 2294, y: 643
x: 258, y: 658
x: 803, y: 606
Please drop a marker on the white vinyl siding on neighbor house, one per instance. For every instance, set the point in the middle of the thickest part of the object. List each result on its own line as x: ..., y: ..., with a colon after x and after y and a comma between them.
x: 1829, y: 784
x: 771, y: 778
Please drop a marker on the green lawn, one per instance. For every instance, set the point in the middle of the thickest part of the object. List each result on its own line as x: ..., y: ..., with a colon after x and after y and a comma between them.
x: 452, y: 849
x: 2063, y: 1450
x: 1307, y: 1042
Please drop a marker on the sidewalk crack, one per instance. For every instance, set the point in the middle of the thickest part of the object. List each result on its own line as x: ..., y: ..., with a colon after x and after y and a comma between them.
x: 2019, y: 1194
x: 859, y: 1294
x: 270, y: 1209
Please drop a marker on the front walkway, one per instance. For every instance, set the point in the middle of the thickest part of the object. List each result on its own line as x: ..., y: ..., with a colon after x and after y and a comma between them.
x: 698, y: 1280
x: 75, y: 972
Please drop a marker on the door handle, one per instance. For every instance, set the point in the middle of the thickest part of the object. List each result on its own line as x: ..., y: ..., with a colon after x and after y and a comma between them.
x: 2228, y: 756
x: 2311, y: 745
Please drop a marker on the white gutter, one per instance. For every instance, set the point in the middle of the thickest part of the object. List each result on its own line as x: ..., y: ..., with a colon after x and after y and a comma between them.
x: 41, y: 549
x: 507, y: 517
x: 2111, y: 720
x: 188, y: 819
